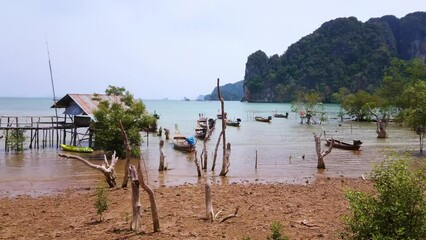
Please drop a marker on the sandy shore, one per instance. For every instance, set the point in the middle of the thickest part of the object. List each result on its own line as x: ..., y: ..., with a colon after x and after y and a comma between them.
x: 310, y: 211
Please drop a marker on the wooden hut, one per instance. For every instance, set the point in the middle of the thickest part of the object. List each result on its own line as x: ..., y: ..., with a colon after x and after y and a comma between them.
x: 79, y: 110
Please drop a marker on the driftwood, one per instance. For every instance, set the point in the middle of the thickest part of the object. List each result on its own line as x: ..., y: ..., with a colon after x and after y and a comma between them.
x: 136, y: 204
x: 106, y: 168
x: 321, y: 154
x: 163, y: 163
x: 210, y: 215
x: 381, y: 123
x: 235, y: 214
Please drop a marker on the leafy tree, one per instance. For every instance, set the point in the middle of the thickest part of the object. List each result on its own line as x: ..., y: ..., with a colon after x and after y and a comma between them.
x: 121, y: 106
x: 399, y: 75
x: 396, y: 211
x: 405, y: 89
x: 308, y: 106
x: 358, y: 104
x: 414, y: 113
x: 15, y: 139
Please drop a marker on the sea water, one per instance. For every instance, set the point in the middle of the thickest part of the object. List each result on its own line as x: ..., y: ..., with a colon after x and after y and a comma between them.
x: 284, y: 149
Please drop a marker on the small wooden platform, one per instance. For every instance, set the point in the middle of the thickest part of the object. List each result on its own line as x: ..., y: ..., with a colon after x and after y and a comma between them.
x: 44, y: 131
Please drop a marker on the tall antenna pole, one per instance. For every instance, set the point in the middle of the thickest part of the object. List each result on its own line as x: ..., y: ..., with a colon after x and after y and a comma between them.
x: 54, y: 95
x: 51, y: 80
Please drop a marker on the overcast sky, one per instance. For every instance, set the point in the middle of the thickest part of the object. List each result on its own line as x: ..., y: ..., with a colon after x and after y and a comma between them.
x: 156, y: 49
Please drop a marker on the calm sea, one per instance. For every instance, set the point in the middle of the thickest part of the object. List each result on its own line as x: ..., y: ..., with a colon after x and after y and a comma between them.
x: 278, y: 147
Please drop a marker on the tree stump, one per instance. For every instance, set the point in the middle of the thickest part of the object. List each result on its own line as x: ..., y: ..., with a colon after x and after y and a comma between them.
x: 321, y: 154
x: 226, y: 161
x: 381, y: 123
x: 209, y: 207
x: 163, y: 163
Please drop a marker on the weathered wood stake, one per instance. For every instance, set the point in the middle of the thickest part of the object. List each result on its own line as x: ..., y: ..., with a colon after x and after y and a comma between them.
x: 136, y: 204
x: 163, y: 163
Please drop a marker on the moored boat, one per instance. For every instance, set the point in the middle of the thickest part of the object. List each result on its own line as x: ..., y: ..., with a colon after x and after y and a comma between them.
x: 280, y: 115
x: 344, y: 145
x: 233, y: 123
x: 263, y: 119
x: 187, y: 144
x: 200, y: 132
x: 70, y: 148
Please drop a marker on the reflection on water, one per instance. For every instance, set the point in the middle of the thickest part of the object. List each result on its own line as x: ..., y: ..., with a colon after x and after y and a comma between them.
x: 279, y: 147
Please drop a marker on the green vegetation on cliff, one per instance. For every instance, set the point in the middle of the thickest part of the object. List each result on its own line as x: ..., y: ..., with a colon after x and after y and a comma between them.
x: 342, y: 53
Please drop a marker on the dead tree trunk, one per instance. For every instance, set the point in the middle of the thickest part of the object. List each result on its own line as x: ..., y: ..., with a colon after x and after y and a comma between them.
x: 421, y: 131
x: 321, y: 154
x: 106, y: 169
x: 163, y: 163
x: 226, y: 161
x: 204, y: 153
x: 381, y: 123
x: 209, y: 207
x: 128, y: 155
x: 198, y: 165
x: 215, y: 151
x: 151, y: 195
x: 136, y: 204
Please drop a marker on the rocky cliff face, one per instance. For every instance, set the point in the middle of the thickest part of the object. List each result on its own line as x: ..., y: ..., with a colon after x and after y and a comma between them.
x: 341, y: 53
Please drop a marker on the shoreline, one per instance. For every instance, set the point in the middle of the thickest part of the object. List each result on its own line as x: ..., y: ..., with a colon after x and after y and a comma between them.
x: 309, y: 211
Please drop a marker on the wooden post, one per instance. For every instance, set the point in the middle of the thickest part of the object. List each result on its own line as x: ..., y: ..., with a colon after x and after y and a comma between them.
x: 255, y: 165
x: 167, y: 133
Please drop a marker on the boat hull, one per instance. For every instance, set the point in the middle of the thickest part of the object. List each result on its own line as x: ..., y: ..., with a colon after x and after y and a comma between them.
x: 343, y: 145
x: 262, y: 119
x: 69, y: 148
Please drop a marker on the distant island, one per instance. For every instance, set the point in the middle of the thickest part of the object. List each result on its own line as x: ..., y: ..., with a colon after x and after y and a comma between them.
x: 343, y: 52
x: 229, y: 92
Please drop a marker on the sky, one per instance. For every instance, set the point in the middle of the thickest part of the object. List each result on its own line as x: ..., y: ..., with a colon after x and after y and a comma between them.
x: 155, y: 49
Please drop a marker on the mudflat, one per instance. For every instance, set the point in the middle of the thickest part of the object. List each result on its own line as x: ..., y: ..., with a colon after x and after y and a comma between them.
x: 312, y: 210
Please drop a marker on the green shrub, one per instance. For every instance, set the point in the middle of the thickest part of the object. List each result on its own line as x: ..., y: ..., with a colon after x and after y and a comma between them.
x: 101, y: 202
x: 16, y: 139
x: 276, y: 232
x: 397, y: 211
